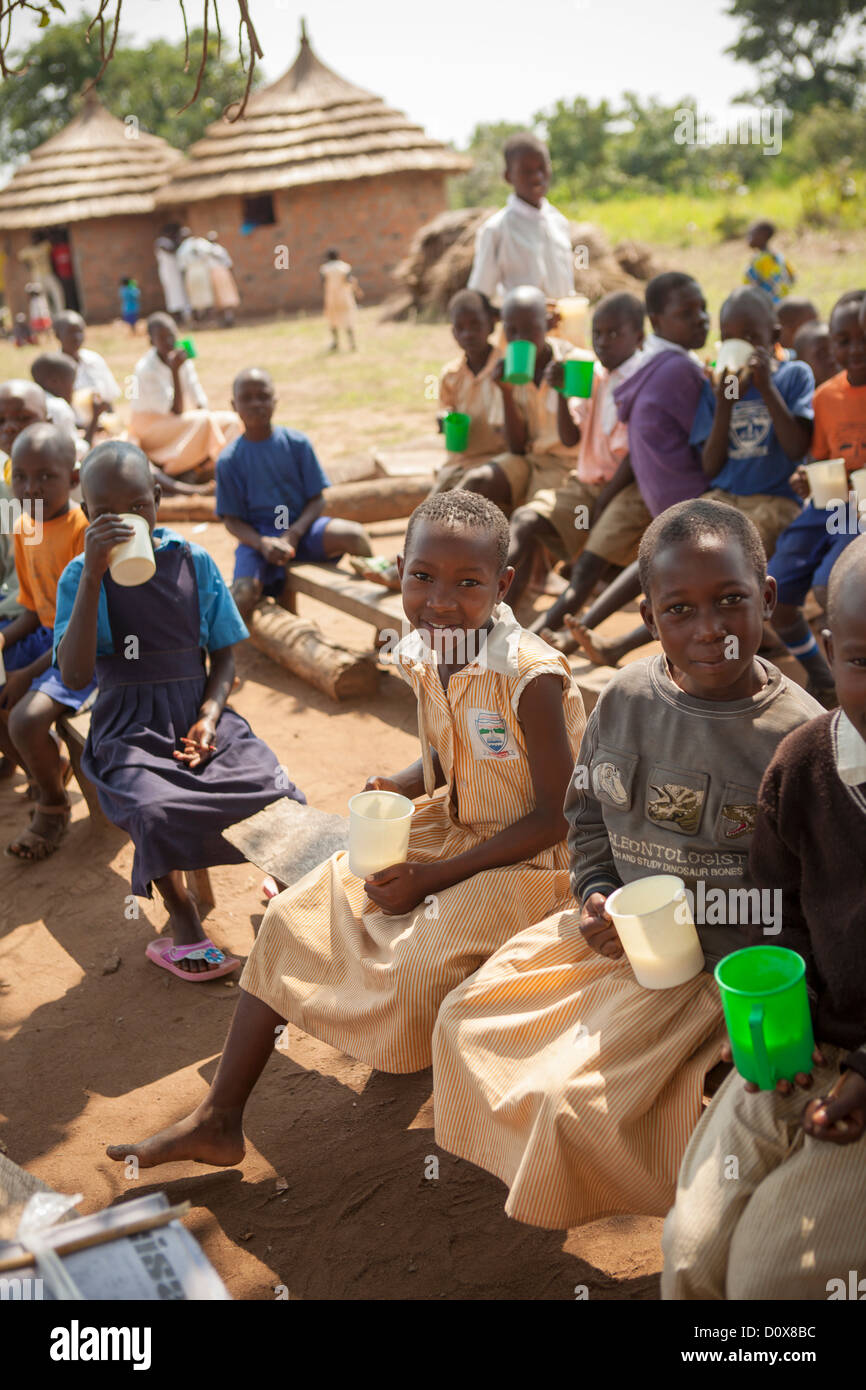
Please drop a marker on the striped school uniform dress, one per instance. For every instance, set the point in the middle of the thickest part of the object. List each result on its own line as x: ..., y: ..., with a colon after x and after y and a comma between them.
x: 556, y: 1071
x: 330, y: 962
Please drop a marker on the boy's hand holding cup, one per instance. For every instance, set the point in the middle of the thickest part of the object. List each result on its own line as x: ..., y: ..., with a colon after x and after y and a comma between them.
x: 176, y: 358
x: 554, y: 374
x: 840, y: 1117
x: 799, y: 481
x: 759, y: 369
x: 598, y: 929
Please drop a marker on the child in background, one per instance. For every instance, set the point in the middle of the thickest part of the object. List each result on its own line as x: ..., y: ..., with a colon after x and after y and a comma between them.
x: 541, y: 435
x: 808, y: 549
x: 10, y: 606
x: 812, y: 346
x: 528, y: 242
x: 170, y: 417
x: 767, y: 270
x: 363, y: 964
x: 22, y: 403
x: 270, y: 496
x: 55, y: 373
x: 341, y: 287
x: 172, y: 765
x: 92, y: 375
x: 791, y: 315
x: 466, y: 385
x: 21, y: 331
x: 552, y: 1067
x: 790, y: 1225
x: 658, y: 404
x: 38, y: 312
x: 130, y: 298
x: 47, y: 536
x: 756, y: 427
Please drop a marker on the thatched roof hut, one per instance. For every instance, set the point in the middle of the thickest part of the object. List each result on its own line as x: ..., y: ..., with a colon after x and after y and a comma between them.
x: 315, y: 161
x: 91, y: 186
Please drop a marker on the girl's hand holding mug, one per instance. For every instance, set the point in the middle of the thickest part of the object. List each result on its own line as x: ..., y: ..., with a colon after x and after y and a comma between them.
x: 598, y: 929
x: 100, y: 538
x: 401, y: 887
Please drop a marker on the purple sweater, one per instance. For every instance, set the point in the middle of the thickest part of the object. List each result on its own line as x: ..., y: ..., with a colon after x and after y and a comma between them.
x: 658, y: 404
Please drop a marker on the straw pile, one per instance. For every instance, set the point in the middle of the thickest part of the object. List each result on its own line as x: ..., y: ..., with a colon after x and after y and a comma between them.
x: 91, y: 168
x: 440, y: 260
x: 311, y: 126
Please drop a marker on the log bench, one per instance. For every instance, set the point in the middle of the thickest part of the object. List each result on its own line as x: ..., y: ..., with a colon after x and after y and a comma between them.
x: 73, y: 729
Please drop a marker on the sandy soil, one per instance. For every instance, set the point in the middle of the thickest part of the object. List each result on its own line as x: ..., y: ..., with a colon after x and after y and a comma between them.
x: 332, y: 1200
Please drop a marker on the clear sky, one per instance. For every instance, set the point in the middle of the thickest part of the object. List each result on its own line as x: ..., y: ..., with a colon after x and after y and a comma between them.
x: 452, y: 63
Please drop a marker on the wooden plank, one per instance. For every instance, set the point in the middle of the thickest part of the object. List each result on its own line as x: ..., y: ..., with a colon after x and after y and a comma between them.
x: 370, y: 603
x: 287, y: 839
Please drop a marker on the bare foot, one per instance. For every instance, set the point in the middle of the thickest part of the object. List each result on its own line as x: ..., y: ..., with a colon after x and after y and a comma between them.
x: 205, y: 1136
x: 560, y: 641
x: 598, y: 651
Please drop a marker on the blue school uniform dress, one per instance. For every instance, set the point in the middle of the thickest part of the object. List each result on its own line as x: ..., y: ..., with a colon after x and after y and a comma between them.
x: 756, y: 462
x: 259, y: 481
x: 130, y: 298
x: 150, y: 646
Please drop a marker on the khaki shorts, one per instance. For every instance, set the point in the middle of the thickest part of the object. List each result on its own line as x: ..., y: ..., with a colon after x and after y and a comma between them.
x: 616, y: 535
x: 770, y: 514
x: 452, y: 473
x: 567, y: 510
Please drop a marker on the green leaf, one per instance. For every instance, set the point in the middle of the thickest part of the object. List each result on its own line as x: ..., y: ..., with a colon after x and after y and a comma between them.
x: 56, y: 5
x: 44, y: 19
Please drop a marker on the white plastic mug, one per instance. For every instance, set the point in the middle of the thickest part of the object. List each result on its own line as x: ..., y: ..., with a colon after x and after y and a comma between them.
x: 132, y: 562
x: 857, y: 483
x: 654, y: 923
x: 379, y: 825
x: 732, y: 355
x: 828, y: 482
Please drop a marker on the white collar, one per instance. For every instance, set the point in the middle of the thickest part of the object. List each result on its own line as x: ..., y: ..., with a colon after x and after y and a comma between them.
x: 515, y: 204
x: 497, y: 653
x: 654, y: 344
x: 849, y: 749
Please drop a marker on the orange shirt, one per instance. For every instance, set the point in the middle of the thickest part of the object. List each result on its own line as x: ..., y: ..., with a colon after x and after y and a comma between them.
x: 41, y: 564
x: 840, y: 422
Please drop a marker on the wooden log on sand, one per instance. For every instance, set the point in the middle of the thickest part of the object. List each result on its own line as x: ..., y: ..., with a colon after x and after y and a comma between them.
x: 300, y: 647
x: 375, y: 499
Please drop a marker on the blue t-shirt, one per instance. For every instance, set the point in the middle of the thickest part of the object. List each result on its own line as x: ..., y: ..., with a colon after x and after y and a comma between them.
x: 130, y: 297
x: 220, y: 623
x: 262, y: 482
x: 756, y: 461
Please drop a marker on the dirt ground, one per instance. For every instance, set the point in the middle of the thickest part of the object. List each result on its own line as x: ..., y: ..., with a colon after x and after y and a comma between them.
x: 328, y: 1203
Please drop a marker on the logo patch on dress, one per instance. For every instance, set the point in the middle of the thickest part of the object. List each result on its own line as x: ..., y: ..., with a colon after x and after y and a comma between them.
x: 490, y: 735
x: 606, y: 778
x: 677, y: 804
x: 740, y: 819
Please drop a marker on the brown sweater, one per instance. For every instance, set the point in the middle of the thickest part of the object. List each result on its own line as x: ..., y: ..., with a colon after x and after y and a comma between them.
x: 810, y: 841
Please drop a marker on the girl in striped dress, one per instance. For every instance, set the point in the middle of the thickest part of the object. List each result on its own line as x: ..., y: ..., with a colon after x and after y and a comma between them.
x: 552, y: 1067
x: 365, y: 964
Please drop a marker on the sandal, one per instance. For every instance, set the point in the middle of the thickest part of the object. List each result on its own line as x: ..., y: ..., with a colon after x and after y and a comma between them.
x: 164, y: 953
x: 40, y: 845
x: 31, y: 791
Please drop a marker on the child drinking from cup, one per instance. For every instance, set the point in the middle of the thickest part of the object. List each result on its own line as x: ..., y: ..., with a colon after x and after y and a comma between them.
x: 364, y: 964
x: 552, y: 1067
x: 807, y: 551
x: 541, y: 436
x: 790, y: 1223
x: 755, y: 426
x: 270, y: 497
x: 47, y: 535
x: 93, y: 377
x: 172, y: 765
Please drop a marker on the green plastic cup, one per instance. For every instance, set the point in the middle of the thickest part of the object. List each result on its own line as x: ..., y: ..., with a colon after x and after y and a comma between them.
x: 577, y: 377
x: 456, y: 427
x: 767, y: 1013
x: 519, y: 362
x: 188, y: 346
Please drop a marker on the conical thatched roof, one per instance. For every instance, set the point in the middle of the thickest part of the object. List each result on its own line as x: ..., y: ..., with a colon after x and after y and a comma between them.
x: 309, y: 127
x: 94, y: 167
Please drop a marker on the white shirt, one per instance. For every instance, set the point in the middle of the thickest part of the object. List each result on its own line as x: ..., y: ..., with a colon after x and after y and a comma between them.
x: 93, y: 375
x: 61, y: 414
x: 154, y: 385
x: 523, y: 245
x: 850, y: 751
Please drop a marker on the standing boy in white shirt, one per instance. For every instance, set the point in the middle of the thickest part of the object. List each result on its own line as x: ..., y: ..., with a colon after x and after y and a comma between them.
x: 528, y: 241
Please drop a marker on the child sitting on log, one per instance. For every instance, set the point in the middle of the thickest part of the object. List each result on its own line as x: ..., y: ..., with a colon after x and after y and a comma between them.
x: 173, y: 766
x: 270, y: 495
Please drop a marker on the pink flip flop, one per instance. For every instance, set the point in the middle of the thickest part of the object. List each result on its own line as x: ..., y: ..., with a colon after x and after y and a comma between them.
x: 163, y: 952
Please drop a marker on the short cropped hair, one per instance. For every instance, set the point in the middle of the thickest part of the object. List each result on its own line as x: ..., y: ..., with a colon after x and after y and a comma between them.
x: 626, y: 305
x: 523, y: 142
x: 849, y: 568
x: 849, y: 297
x: 661, y: 287
x: 796, y: 308
x: 750, y: 294
x: 463, y: 511
x: 692, y: 521
x: 763, y: 225
x: 160, y: 316
x: 471, y: 299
